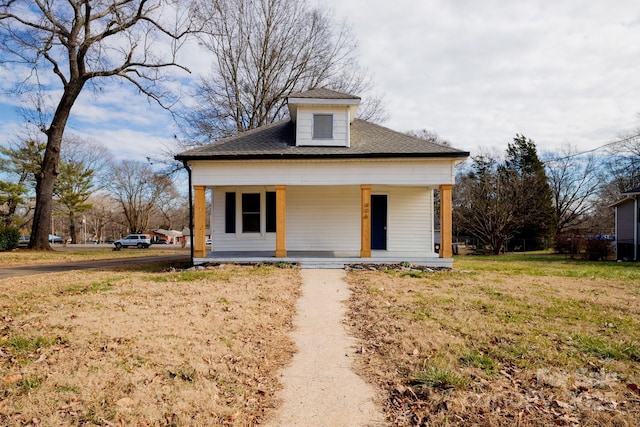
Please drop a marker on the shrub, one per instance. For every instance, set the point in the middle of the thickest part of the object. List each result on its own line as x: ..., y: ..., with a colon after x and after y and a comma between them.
x: 9, y: 237
x: 598, y: 249
x: 568, y: 244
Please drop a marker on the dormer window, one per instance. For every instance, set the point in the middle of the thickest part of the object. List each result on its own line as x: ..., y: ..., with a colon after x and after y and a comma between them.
x: 323, y: 126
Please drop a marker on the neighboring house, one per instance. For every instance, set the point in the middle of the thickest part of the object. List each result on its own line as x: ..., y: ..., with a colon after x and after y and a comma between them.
x: 628, y: 226
x: 322, y: 184
x: 167, y: 236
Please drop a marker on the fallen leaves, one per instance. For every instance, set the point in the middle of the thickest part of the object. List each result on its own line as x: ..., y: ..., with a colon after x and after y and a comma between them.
x: 422, y: 327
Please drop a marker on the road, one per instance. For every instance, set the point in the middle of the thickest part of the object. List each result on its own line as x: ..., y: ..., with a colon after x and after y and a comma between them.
x: 26, y: 270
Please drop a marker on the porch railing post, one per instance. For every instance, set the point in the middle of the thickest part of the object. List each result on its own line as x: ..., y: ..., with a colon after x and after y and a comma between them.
x: 199, y: 222
x: 446, y: 224
x: 365, y: 220
x: 281, y: 221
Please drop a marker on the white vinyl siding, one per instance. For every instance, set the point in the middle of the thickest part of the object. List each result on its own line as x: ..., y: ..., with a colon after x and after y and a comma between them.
x: 328, y: 219
x: 323, y: 219
x: 340, y: 127
x: 239, y: 241
x: 426, y: 172
x: 410, y: 219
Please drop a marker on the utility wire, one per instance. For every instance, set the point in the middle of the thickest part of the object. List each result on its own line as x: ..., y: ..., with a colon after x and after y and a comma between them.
x: 618, y: 141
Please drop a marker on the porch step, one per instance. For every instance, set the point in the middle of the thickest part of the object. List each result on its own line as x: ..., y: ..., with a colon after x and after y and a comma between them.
x: 329, y: 264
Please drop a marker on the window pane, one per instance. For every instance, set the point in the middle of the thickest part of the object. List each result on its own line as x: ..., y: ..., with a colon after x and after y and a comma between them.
x: 271, y: 212
x: 230, y: 213
x: 250, y: 223
x: 322, y: 126
x: 251, y: 213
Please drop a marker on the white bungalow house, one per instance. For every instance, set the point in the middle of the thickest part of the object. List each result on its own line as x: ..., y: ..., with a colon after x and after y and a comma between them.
x: 628, y: 226
x: 322, y: 184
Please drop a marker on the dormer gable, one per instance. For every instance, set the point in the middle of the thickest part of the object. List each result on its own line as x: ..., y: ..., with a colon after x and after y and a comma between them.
x: 322, y: 117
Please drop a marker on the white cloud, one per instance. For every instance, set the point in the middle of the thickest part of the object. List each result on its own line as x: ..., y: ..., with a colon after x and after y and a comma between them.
x: 478, y: 72
x: 475, y: 72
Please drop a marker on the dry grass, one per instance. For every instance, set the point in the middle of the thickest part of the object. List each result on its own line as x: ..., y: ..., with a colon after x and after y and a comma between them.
x: 503, y: 342
x: 194, y: 348
x: 71, y: 254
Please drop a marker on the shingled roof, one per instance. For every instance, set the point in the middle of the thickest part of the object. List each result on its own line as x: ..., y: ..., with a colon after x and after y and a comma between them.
x: 322, y: 93
x: 633, y: 191
x: 277, y: 141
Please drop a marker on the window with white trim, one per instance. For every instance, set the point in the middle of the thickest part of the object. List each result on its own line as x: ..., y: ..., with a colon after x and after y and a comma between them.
x: 323, y: 126
x: 250, y: 212
x: 253, y: 213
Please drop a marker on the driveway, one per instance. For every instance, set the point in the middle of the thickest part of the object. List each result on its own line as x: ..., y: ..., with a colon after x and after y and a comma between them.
x: 26, y: 270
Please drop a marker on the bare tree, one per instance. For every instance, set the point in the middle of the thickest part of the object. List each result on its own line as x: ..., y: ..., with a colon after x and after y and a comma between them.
x: 102, y: 217
x: 81, y: 41
x: 138, y: 190
x: 484, y: 203
x: 574, y: 180
x: 265, y: 50
x: 623, y: 165
x: 429, y: 135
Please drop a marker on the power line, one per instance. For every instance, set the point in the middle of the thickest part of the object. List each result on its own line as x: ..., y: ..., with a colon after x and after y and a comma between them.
x: 619, y: 141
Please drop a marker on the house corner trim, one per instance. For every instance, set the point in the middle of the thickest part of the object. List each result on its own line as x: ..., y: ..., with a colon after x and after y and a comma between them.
x: 281, y: 221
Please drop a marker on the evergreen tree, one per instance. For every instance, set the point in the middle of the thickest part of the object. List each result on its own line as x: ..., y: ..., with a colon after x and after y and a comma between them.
x: 499, y: 201
x: 531, y: 188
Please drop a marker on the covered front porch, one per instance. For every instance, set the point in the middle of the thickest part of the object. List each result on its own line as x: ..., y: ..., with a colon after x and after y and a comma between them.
x: 367, y: 253
x: 320, y: 259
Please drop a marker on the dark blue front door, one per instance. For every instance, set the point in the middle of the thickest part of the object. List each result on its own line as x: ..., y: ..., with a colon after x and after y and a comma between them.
x: 378, y: 221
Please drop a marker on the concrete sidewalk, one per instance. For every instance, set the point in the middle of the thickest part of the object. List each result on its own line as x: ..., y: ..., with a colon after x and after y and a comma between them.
x: 320, y: 388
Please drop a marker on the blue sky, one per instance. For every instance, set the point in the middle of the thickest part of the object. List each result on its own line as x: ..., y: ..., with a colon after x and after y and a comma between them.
x: 475, y: 72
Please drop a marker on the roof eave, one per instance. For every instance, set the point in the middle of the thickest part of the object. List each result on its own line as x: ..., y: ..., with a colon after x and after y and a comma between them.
x: 460, y: 155
x: 629, y: 196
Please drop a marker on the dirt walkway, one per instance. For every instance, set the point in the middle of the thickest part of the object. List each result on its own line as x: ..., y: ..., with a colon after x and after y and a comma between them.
x: 320, y: 389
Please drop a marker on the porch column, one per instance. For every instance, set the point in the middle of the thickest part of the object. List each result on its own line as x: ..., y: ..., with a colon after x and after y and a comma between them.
x: 365, y: 215
x: 445, y: 221
x: 199, y: 222
x: 281, y: 221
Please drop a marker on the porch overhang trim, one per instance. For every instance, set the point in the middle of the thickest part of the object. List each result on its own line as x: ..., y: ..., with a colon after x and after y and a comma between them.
x: 240, y: 157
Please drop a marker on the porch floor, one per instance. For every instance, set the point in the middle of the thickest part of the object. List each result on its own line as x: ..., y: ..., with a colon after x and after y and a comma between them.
x: 322, y: 259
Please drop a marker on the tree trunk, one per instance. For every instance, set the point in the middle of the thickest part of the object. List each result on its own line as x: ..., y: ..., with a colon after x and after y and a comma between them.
x: 72, y: 228
x: 46, y: 178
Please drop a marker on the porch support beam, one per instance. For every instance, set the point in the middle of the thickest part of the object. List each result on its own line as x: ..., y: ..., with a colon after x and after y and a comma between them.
x: 281, y: 221
x: 446, y: 224
x: 365, y: 215
x: 199, y: 222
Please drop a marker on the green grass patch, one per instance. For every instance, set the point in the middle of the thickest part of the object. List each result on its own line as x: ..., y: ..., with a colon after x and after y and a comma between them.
x: 65, y: 388
x: 30, y: 383
x: 93, y: 287
x: 437, y: 377
x: 191, y: 276
x: 549, y: 265
x: 604, y: 349
x: 481, y: 361
x: 21, y: 344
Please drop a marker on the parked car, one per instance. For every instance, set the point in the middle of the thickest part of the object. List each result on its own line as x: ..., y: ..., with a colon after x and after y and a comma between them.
x: 54, y: 239
x: 140, y: 241
x: 23, y: 240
